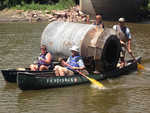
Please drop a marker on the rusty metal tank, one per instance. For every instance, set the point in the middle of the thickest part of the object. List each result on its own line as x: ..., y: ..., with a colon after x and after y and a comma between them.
x: 113, y: 9
x: 102, y: 45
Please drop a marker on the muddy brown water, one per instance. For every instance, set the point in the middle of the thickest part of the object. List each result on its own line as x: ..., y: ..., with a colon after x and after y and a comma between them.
x: 19, y: 46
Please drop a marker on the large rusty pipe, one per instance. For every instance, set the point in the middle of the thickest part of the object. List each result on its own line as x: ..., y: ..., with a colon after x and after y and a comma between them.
x: 60, y: 36
x: 103, y: 45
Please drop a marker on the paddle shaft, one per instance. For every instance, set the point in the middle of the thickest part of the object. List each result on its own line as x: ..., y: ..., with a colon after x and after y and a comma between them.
x: 83, y: 74
x: 139, y: 66
x: 76, y: 70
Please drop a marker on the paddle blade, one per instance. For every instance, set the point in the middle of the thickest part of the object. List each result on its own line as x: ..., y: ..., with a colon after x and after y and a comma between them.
x: 95, y: 82
x: 139, y: 66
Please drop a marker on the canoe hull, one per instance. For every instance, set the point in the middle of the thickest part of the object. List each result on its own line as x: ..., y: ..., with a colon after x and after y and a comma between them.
x: 10, y: 75
x: 28, y: 81
x: 32, y: 81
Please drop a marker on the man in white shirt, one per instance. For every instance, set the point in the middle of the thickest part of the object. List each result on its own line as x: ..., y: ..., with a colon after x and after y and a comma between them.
x: 124, y: 35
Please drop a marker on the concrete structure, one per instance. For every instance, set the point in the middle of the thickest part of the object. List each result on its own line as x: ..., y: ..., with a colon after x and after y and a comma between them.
x: 112, y: 9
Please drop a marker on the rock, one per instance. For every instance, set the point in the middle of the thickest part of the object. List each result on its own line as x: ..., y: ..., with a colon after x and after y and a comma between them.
x: 61, y: 13
x: 25, y: 13
x: 38, y: 19
x: 81, y: 13
x: 49, y: 16
x: 34, y: 15
x: 52, y: 19
x: 47, y: 12
x: 39, y: 12
x: 53, y: 11
x: 19, y: 11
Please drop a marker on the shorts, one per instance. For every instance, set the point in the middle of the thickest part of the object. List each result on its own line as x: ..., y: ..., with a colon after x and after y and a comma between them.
x: 64, y: 69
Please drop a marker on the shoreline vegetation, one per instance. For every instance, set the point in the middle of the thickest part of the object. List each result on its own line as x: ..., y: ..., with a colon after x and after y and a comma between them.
x: 64, y: 10
x: 61, y: 5
x: 50, y: 10
x: 33, y: 11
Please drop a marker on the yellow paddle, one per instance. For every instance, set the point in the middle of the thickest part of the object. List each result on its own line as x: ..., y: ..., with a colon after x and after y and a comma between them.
x: 93, y: 81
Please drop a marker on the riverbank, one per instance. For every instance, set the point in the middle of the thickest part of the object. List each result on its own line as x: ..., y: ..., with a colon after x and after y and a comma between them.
x: 73, y: 14
x: 50, y: 13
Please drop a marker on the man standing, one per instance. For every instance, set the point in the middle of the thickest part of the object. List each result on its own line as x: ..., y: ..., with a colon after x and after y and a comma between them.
x: 124, y: 35
x: 99, y: 22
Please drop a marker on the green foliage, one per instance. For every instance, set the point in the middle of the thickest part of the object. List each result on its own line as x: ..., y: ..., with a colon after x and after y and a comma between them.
x: 9, y: 3
x: 149, y: 4
x: 36, y: 4
x: 62, y: 4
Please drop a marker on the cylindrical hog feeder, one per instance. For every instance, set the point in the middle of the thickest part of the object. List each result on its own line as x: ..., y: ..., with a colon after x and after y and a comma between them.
x: 102, y: 45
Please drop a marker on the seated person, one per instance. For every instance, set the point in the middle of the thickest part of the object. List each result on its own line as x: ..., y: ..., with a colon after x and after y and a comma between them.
x: 73, y: 63
x: 44, y: 60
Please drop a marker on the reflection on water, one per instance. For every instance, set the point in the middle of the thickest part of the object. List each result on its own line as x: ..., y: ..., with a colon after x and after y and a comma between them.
x: 9, y: 86
x: 19, y: 45
x: 51, y: 100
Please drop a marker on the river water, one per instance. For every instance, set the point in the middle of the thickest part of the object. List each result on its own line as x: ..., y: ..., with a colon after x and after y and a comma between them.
x: 19, y: 46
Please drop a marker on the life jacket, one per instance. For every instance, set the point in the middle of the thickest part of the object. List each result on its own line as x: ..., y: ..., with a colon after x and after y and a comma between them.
x: 73, y: 62
x: 121, y: 32
x: 40, y: 62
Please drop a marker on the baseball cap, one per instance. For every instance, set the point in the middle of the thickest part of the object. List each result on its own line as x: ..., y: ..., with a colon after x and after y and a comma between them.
x: 121, y: 20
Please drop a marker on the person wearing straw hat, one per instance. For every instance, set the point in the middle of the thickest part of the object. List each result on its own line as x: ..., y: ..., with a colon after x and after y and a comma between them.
x: 124, y: 35
x: 75, y: 62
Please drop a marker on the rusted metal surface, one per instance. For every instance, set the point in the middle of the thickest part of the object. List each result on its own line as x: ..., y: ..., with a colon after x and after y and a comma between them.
x: 96, y: 44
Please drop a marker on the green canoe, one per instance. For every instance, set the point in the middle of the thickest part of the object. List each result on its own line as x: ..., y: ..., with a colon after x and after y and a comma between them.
x: 35, y: 81
x: 10, y: 75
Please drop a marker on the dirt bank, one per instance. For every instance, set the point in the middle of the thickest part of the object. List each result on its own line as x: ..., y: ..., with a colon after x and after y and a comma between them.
x: 73, y: 14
